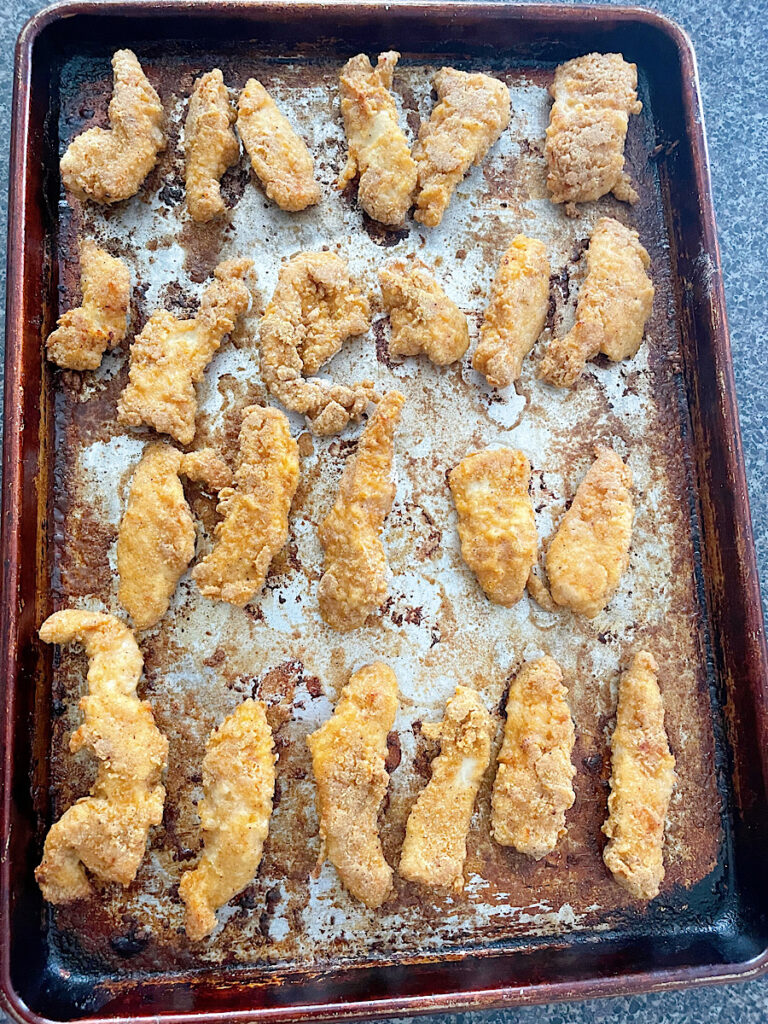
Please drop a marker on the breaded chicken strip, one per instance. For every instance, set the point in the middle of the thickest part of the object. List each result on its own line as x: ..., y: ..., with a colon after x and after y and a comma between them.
x: 315, y: 308
x: 435, y: 845
x: 590, y: 550
x: 108, y: 165
x: 642, y: 779
x: 354, y: 582
x: 107, y: 831
x: 280, y: 158
x: 613, y: 305
x: 348, y: 761
x: 472, y: 112
x: 594, y: 96
x: 496, y: 525
x: 238, y: 787
x: 210, y: 145
x: 422, y: 317
x: 378, y: 148
x: 83, y: 334
x: 170, y: 356
x: 516, y: 313
x: 533, y: 787
x: 254, y: 524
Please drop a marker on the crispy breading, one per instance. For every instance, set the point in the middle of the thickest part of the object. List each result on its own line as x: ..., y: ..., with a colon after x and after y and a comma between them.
x: 354, y: 581
x: 210, y: 145
x: 279, y: 157
x: 315, y: 307
x: 254, y: 523
x: 238, y: 788
x: 594, y: 96
x: 471, y: 113
x: 107, y: 831
x: 435, y: 845
x: 590, y: 550
x: 378, y: 149
x: 642, y: 779
x: 170, y: 356
x: 533, y: 787
x: 422, y: 317
x: 206, y: 467
x: 348, y: 760
x: 613, y: 305
x: 109, y: 164
x: 516, y: 313
x: 496, y: 524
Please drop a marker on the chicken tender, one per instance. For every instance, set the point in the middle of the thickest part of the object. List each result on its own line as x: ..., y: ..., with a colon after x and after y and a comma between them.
x: 254, y: 524
x: 170, y: 356
x: 238, y: 788
x: 378, y: 148
x: 642, y: 779
x: 533, y: 787
x: 106, y: 832
x: 496, y: 524
x: 472, y: 112
x: 280, y: 158
x: 435, y: 845
x: 613, y: 305
x: 109, y: 164
x: 422, y: 317
x: 348, y: 760
x: 354, y: 582
x: 210, y: 145
x: 516, y: 313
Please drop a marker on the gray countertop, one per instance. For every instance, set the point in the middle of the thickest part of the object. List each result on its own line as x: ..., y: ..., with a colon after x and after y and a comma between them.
x: 731, y: 42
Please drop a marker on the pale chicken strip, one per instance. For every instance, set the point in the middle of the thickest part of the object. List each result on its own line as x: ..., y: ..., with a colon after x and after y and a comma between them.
x: 210, y: 145
x: 422, y: 317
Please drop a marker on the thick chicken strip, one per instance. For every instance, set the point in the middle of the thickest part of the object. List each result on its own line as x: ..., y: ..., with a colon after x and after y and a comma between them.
x: 108, y: 165
x: 210, y: 145
x: 533, y: 787
x: 354, y: 582
x: 435, y: 845
x: 613, y: 305
x: 170, y: 356
x: 280, y: 158
x: 254, y: 524
x: 516, y: 313
x: 107, y: 831
x: 422, y: 317
x: 348, y: 760
x: 378, y: 148
x: 83, y: 334
x: 642, y: 779
x: 472, y: 112
x: 238, y: 787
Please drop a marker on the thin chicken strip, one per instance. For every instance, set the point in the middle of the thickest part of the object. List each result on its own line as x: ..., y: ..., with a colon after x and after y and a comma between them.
x: 348, y: 760
x: 106, y: 832
x: 210, y: 145
x: 238, y: 788
x: 435, y: 845
x: 354, y: 582
x: 642, y: 779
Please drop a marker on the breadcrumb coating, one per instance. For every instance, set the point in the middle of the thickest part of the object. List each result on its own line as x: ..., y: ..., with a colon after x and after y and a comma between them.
x: 210, y: 145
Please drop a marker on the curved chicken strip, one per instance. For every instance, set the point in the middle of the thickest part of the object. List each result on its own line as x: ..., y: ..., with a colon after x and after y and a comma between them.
x: 354, y: 582
x: 108, y: 165
x: 435, y: 845
x: 106, y: 832
x: 170, y: 356
x: 642, y: 779
x: 378, y: 148
x: 533, y: 787
x: 472, y: 112
x: 348, y: 760
x: 238, y: 787
x: 422, y: 317
x: 210, y: 145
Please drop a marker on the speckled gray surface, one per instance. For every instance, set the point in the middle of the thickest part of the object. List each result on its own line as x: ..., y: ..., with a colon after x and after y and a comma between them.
x: 731, y: 41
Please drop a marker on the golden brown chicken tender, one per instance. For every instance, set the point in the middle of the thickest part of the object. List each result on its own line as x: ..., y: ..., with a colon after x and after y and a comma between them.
x: 422, y: 317
x: 348, y: 761
x: 210, y: 145
x: 108, y: 165
x: 642, y: 779
x: 106, y: 832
